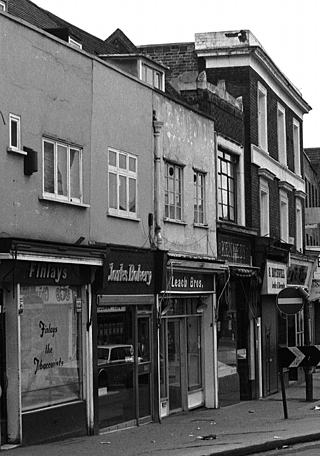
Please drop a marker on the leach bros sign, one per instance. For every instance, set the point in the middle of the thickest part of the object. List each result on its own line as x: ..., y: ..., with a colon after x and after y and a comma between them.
x: 190, y: 282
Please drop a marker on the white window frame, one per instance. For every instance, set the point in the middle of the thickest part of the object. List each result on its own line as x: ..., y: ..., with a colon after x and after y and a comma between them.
x: 2, y: 6
x: 299, y: 226
x: 238, y: 151
x: 296, y: 147
x: 199, y: 182
x: 282, y: 136
x: 264, y: 208
x: 126, y: 175
x: 174, y: 192
x: 156, y: 75
x: 69, y: 198
x: 15, y: 146
x: 74, y: 43
x: 284, y: 216
x: 262, y: 117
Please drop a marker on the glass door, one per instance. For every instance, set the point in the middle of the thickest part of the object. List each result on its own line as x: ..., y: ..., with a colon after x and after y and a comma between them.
x: 144, y: 366
x: 174, y: 364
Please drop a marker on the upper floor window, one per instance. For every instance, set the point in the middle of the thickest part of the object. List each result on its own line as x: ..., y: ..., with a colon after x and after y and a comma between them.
x: 173, y: 191
x: 199, y: 197
x: 2, y: 6
x: 282, y: 143
x: 296, y: 147
x: 284, y: 216
x: 74, y: 43
x: 62, y: 171
x: 14, y: 132
x: 264, y: 208
x: 227, y: 185
x: 122, y: 169
x: 262, y: 118
x: 299, y: 226
x: 152, y: 76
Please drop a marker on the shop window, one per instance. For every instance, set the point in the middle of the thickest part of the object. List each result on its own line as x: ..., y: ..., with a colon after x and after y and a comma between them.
x: 199, y: 197
x: 122, y: 168
x: 173, y: 191
x: 291, y: 329
x: 62, y: 171
x: 50, y: 346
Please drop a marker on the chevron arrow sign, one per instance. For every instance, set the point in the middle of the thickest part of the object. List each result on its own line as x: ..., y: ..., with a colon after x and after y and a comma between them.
x: 305, y: 356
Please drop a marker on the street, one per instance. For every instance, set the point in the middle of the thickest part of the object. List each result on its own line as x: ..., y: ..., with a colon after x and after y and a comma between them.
x: 305, y: 449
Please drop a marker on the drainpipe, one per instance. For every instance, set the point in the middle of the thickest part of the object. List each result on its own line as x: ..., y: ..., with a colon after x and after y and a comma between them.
x: 157, y: 125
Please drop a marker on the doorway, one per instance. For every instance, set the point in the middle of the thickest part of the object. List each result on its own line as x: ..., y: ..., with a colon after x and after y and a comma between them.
x: 124, y: 346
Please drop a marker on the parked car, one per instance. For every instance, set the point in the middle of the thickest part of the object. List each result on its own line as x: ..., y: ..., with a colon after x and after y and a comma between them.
x: 115, y: 366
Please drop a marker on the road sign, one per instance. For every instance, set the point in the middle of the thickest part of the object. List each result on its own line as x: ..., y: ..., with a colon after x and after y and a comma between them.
x: 290, y: 300
x: 304, y: 356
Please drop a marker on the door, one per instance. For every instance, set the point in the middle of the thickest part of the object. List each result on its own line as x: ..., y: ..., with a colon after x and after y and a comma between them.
x: 3, y: 377
x: 174, y: 364
x: 144, y: 367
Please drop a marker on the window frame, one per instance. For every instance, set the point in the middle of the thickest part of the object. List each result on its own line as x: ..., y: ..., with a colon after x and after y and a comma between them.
x: 262, y: 106
x: 282, y: 135
x: 157, y: 75
x: 232, y: 164
x: 55, y: 195
x: 13, y: 118
x: 176, y: 193
x: 264, y: 208
x: 128, y: 175
x: 199, y: 216
x: 2, y: 6
x: 74, y: 43
x: 299, y: 225
x: 284, y: 216
x: 296, y: 147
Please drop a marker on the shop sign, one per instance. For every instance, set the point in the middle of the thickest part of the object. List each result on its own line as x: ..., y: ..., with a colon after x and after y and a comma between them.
x: 190, y: 282
x: 41, y: 272
x: 275, y: 278
x: 297, y: 274
x: 234, y: 249
x: 127, y: 271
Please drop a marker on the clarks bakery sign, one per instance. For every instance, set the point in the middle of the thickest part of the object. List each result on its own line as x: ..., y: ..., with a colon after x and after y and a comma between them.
x: 127, y: 271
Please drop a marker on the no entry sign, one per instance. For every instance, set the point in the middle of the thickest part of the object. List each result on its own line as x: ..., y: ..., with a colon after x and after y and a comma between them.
x: 290, y: 300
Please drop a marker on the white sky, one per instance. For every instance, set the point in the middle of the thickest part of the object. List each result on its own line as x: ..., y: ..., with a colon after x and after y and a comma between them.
x: 287, y: 29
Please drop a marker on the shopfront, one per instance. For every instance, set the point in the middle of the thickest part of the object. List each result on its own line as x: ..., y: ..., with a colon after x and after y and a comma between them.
x: 46, y: 301
x: 125, y: 339
x: 237, y: 318
x: 187, y: 336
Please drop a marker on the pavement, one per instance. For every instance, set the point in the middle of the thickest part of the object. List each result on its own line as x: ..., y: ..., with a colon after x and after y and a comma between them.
x: 240, y: 429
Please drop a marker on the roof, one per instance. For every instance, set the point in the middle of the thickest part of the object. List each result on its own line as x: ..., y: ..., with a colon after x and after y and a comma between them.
x: 30, y: 12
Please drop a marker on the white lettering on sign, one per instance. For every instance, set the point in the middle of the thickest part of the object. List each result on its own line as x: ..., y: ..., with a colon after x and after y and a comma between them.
x: 129, y: 275
x: 186, y: 282
x: 47, y: 271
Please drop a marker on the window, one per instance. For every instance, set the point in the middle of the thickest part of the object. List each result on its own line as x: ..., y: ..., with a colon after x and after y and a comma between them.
x: 199, y: 197
x: 62, y: 171
x: 284, y: 216
x: 281, y: 122
x: 299, y: 227
x: 226, y: 186
x: 173, y: 191
x: 74, y: 43
x: 296, y: 147
x: 264, y: 208
x: 262, y: 118
x: 152, y: 76
x: 122, y: 168
x: 14, y: 133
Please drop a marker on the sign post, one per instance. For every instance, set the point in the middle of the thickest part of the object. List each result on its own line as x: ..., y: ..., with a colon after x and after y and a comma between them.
x: 290, y: 301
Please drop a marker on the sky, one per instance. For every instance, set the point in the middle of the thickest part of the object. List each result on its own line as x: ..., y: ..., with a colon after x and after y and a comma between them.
x: 288, y: 30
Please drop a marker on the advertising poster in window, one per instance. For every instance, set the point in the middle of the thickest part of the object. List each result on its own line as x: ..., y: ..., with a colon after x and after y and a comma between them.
x: 49, y: 345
